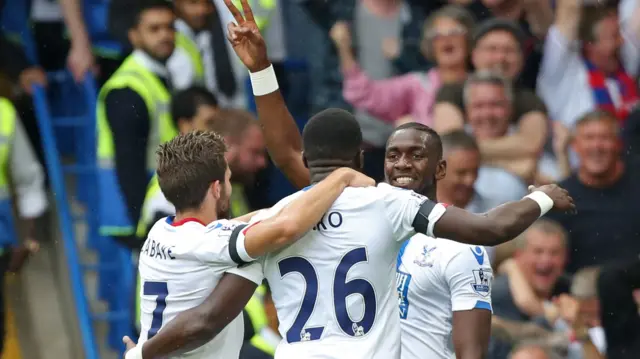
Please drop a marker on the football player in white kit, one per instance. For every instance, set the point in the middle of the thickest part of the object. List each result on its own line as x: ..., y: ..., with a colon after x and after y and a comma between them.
x: 444, y: 287
x: 184, y: 256
x: 336, y: 298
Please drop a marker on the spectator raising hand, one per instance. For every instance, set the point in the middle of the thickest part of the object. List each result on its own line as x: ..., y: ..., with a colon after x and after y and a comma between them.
x: 444, y: 41
x: 341, y: 35
x: 80, y: 58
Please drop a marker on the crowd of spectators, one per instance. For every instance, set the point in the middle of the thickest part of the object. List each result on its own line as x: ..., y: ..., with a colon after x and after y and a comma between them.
x: 523, y: 92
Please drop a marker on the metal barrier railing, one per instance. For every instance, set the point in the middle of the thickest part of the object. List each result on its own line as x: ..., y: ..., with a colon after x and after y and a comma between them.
x: 66, y: 222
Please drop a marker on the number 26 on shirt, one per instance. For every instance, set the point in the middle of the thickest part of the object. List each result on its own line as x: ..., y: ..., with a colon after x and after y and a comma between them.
x: 341, y: 290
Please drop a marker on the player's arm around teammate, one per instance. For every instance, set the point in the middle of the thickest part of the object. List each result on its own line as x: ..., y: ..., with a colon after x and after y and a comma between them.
x: 499, y: 225
x: 197, y: 326
x: 297, y: 218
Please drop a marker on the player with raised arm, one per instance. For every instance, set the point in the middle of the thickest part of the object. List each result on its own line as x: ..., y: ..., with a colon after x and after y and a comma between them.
x: 184, y: 256
x: 199, y: 324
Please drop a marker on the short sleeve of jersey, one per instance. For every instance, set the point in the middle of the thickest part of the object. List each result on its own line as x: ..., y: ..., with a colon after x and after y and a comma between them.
x: 252, y: 272
x: 223, y: 242
x: 469, y: 277
x: 402, y: 206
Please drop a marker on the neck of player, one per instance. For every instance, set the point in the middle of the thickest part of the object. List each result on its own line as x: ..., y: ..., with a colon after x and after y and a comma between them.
x: 320, y: 169
x: 203, y: 215
x: 431, y: 192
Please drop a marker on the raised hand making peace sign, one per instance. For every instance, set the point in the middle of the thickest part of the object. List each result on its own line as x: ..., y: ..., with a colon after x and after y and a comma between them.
x: 246, y: 39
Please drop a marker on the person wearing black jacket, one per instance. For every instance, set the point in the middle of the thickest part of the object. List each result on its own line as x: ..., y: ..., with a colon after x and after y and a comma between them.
x: 620, y: 317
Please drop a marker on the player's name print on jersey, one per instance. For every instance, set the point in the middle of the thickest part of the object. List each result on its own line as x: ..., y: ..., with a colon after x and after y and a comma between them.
x: 330, y: 220
x: 402, y: 286
x: 482, y: 281
x: 424, y: 259
x: 156, y: 250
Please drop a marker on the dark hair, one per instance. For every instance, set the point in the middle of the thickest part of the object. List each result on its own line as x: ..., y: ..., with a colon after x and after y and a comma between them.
x: 433, y: 137
x: 185, y: 103
x: 141, y: 6
x: 496, y: 24
x: 458, y: 139
x: 331, y: 134
x: 232, y: 123
x: 188, y: 165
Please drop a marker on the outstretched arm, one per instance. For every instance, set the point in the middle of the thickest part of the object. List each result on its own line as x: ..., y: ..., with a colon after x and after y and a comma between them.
x: 497, y: 226
x: 281, y: 133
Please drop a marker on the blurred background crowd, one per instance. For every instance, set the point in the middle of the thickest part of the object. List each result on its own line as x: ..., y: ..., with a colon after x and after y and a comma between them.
x: 523, y: 92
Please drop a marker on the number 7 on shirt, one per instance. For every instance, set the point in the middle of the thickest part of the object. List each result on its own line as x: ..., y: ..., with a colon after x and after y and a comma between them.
x: 160, y: 290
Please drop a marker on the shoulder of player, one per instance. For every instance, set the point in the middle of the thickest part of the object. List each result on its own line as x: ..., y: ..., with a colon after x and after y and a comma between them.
x: 470, y: 256
x: 387, y: 190
x: 450, y: 251
x: 222, y: 226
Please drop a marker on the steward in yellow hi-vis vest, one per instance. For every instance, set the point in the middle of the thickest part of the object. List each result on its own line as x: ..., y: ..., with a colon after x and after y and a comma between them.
x: 20, y: 167
x: 114, y: 214
x: 8, y: 236
x: 190, y: 48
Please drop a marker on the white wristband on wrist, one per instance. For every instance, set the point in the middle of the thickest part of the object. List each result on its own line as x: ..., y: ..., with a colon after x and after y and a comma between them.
x: 264, y: 81
x: 135, y: 353
x: 545, y: 202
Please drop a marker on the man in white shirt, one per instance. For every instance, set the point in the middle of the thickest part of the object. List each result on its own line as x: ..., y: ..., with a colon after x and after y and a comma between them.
x: 582, y: 71
x: 184, y: 256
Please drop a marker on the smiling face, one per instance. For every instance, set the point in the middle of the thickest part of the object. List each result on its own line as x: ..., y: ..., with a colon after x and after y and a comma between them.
x: 542, y: 259
x: 597, y: 145
x: 498, y: 50
x: 488, y: 109
x: 410, y: 163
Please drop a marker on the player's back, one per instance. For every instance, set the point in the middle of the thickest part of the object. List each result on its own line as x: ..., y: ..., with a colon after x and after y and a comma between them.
x: 180, y: 265
x: 436, y: 277
x: 334, y: 288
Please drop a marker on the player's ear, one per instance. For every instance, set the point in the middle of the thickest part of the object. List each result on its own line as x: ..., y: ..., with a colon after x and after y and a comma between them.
x: 441, y: 170
x: 184, y: 125
x: 216, y: 189
x: 360, y: 160
x: 304, y: 160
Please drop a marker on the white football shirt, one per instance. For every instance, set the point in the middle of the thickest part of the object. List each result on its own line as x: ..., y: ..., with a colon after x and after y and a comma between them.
x: 334, y: 288
x: 436, y: 277
x: 180, y: 265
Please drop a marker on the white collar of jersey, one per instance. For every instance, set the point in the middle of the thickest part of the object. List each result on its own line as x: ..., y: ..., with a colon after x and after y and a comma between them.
x: 150, y: 63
